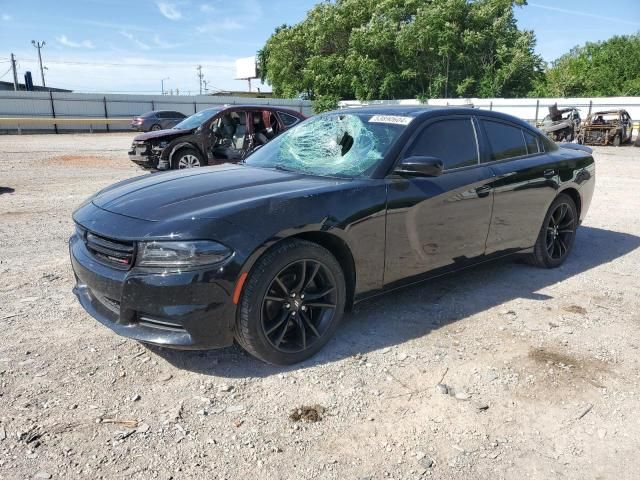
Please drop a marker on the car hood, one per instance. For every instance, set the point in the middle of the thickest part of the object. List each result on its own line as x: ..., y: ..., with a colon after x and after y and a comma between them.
x: 208, y: 192
x: 171, y: 132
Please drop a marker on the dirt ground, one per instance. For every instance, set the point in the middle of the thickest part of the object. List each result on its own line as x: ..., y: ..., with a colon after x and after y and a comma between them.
x: 542, y: 368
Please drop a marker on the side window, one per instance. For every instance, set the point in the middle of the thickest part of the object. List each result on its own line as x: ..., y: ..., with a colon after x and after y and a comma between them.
x: 163, y: 115
x: 453, y: 141
x: 505, y: 140
x: 532, y: 143
x: 288, y: 120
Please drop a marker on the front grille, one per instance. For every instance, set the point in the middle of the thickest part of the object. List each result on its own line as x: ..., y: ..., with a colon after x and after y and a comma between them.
x: 117, y: 253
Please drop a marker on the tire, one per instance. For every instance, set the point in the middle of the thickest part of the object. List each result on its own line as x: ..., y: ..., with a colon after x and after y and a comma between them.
x: 616, y: 141
x: 286, y: 316
x: 557, y: 234
x: 155, y: 127
x: 187, y: 158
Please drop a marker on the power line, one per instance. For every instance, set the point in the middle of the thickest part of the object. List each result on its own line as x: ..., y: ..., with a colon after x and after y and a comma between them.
x: 107, y: 64
x: 6, y: 71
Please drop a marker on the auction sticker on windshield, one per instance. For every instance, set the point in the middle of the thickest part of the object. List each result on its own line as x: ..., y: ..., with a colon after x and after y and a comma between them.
x: 395, y: 119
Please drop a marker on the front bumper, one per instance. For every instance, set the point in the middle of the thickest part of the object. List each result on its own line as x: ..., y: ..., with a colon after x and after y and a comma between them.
x: 184, y: 310
x: 147, y: 157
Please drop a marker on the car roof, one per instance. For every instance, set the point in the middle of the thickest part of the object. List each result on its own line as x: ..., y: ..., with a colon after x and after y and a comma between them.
x: 606, y: 112
x: 432, y: 110
x: 249, y: 106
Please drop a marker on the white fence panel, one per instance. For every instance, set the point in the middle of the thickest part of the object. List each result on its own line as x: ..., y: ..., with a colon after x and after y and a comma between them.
x: 524, y: 108
x: 86, y: 105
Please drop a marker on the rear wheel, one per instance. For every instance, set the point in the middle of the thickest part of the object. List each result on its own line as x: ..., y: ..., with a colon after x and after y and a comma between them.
x: 155, y: 127
x: 557, y: 234
x: 187, y: 158
x: 292, y: 303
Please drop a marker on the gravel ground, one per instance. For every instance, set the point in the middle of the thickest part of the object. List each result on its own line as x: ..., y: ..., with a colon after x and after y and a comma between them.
x: 540, y: 369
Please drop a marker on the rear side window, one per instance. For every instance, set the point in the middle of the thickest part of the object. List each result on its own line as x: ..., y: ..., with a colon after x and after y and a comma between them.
x: 505, y: 140
x: 164, y: 115
x: 287, y: 119
x: 453, y: 141
x: 532, y: 143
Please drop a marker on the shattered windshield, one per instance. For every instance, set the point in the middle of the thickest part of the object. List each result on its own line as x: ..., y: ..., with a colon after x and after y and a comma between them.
x: 336, y: 144
x: 194, y: 121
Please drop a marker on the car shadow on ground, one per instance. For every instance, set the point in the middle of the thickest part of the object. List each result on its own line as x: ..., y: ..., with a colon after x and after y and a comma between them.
x: 415, y: 311
x: 6, y: 190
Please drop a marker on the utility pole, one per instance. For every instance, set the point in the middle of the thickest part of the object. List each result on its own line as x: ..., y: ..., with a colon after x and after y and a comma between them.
x: 162, y: 83
x: 200, y: 76
x: 205, y: 86
x: 15, y: 72
x: 39, y: 45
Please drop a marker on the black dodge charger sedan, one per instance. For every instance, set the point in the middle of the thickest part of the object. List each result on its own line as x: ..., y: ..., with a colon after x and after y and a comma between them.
x: 344, y: 206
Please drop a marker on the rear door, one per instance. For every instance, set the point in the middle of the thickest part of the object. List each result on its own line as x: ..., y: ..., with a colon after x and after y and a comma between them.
x: 526, y: 180
x: 439, y: 222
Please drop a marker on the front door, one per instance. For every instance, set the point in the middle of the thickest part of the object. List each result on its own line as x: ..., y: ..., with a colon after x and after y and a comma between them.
x: 227, y: 140
x: 439, y: 223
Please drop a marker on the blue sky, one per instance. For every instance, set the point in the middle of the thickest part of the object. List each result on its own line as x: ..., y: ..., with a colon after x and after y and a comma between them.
x: 129, y: 46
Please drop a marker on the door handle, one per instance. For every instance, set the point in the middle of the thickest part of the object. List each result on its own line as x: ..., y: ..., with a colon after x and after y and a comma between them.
x: 549, y: 173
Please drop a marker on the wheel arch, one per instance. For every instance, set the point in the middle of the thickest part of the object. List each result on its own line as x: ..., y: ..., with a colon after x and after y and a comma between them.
x: 332, y: 242
x: 173, y: 149
x: 575, y: 196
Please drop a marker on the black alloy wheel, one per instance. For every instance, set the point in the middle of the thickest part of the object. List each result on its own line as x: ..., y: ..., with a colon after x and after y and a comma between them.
x: 561, y: 228
x: 298, y: 306
x: 557, y: 235
x: 291, y: 303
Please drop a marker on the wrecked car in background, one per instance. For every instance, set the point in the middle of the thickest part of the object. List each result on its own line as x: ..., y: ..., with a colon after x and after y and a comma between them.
x: 225, y: 134
x: 561, y: 125
x: 610, y: 127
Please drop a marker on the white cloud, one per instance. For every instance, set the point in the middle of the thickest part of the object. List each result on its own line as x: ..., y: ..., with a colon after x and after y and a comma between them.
x: 63, y: 40
x: 584, y: 14
x: 225, y: 25
x: 6, y: 17
x: 207, y: 8
x: 169, y: 10
x: 163, y: 43
x: 108, y: 73
x: 134, y: 39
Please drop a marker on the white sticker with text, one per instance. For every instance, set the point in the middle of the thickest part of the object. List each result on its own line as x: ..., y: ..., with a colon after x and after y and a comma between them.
x: 395, y: 119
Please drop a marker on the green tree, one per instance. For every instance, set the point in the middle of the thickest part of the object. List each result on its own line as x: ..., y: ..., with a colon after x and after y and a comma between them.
x: 369, y: 49
x: 609, y: 68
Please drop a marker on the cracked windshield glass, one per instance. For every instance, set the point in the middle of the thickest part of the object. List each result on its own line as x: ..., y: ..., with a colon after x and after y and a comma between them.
x: 343, y: 145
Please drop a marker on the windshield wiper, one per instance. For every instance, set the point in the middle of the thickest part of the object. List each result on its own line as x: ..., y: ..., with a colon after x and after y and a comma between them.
x: 285, y: 169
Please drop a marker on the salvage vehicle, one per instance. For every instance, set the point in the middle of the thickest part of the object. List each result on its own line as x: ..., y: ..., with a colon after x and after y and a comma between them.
x: 561, y: 125
x: 347, y: 205
x: 610, y: 127
x: 212, y: 136
x: 157, y: 120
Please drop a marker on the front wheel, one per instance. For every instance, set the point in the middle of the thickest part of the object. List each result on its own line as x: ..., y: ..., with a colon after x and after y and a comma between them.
x: 187, y: 158
x: 292, y: 303
x: 616, y: 141
x: 557, y: 234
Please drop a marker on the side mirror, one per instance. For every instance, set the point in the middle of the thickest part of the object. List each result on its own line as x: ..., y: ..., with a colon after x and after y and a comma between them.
x: 420, y: 166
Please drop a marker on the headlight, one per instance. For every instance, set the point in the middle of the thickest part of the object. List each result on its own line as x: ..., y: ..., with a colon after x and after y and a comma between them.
x: 181, y: 254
